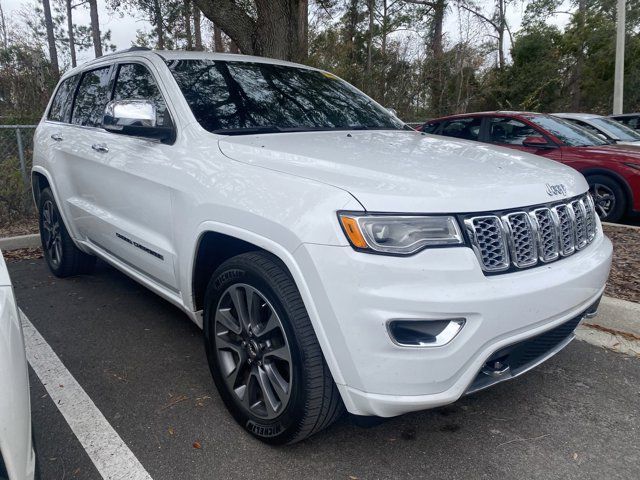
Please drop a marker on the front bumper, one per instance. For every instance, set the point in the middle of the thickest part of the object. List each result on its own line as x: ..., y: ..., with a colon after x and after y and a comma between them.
x: 356, y: 294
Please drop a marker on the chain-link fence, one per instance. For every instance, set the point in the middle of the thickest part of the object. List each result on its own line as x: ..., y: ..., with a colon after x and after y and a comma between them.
x: 16, y: 148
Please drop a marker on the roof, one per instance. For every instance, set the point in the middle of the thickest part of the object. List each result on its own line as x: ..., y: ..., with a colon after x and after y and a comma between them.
x: 577, y: 116
x: 169, y: 55
x: 623, y: 115
x: 486, y: 113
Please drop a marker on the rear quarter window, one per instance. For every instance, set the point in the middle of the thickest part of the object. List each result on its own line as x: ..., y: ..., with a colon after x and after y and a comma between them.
x: 60, y: 110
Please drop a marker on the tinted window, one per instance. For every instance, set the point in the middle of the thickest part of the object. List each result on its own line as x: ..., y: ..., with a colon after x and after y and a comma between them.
x: 620, y: 132
x: 92, y: 97
x: 430, y: 127
x: 591, y: 129
x: 631, y: 122
x: 135, y: 82
x: 510, y: 131
x: 567, y: 133
x: 60, y: 110
x: 466, y: 128
x: 242, y: 97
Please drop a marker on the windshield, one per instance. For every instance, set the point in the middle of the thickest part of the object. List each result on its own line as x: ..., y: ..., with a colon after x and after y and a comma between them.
x: 236, y: 98
x: 617, y: 130
x: 566, y: 132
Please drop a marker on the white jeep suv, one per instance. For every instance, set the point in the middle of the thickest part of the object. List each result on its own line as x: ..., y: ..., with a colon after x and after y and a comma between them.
x: 333, y: 256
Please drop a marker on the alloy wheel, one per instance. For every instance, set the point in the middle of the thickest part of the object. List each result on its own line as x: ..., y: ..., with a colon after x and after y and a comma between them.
x: 604, y: 199
x: 52, y: 233
x: 253, y: 351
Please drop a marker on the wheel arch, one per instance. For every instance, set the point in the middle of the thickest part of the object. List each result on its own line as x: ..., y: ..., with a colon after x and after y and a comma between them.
x: 39, y: 181
x: 240, y: 241
x: 618, y: 178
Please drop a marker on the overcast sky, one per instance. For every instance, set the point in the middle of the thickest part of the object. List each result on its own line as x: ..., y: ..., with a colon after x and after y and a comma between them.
x: 123, y: 29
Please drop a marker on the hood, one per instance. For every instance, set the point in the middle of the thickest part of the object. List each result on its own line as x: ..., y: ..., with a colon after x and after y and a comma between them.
x: 630, y: 148
x: 403, y: 171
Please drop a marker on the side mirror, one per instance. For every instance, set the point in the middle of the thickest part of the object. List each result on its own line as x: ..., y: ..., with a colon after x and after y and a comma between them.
x: 134, y: 117
x: 536, y: 142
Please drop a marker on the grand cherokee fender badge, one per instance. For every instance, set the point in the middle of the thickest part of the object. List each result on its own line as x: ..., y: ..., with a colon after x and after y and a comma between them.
x: 557, y: 189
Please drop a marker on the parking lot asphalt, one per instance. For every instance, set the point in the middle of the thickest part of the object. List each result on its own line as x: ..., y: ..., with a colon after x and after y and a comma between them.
x: 142, y: 363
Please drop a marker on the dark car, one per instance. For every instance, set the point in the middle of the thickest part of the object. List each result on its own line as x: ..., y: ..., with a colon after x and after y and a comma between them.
x: 631, y: 120
x: 613, y: 172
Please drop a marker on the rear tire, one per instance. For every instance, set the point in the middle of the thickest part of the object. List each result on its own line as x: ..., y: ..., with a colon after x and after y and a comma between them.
x: 63, y: 257
x: 278, y: 398
x: 608, y: 196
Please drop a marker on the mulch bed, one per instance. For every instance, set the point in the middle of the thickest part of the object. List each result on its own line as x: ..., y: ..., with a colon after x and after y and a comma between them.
x: 19, y: 227
x: 624, y: 281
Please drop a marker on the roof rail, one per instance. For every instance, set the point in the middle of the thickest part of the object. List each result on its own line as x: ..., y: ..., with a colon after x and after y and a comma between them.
x: 130, y: 49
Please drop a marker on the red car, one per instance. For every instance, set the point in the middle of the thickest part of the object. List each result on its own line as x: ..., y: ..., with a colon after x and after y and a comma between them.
x: 613, y: 172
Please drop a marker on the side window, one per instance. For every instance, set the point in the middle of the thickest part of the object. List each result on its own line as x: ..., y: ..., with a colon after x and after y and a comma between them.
x: 631, y: 122
x: 586, y: 126
x: 135, y: 82
x: 60, y: 110
x: 465, y: 128
x: 510, y: 131
x: 92, y: 97
x: 430, y: 127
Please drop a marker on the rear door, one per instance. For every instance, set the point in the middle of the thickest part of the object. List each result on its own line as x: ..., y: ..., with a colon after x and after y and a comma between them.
x: 511, y: 132
x: 122, y: 202
x: 53, y: 141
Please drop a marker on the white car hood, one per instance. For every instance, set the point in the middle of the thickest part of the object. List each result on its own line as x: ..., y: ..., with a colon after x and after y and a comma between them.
x: 403, y: 171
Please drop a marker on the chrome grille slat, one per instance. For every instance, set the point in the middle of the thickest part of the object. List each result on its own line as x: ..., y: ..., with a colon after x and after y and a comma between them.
x: 590, y: 217
x: 490, y: 242
x: 581, y: 223
x: 523, y: 245
x: 547, y: 234
x: 531, y: 236
x: 565, y: 220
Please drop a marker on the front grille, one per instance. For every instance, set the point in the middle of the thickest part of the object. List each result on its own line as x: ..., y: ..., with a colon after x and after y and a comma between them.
x: 528, y: 237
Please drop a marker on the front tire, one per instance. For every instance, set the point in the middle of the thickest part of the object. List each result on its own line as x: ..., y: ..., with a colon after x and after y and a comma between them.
x: 63, y: 257
x: 609, y: 197
x: 263, y: 353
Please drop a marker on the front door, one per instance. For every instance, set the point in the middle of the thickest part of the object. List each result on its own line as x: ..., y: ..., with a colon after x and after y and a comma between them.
x: 122, y: 205
x: 510, y: 132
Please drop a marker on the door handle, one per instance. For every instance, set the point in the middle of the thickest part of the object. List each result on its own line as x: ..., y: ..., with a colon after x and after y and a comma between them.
x: 57, y: 137
x: 100, y: 147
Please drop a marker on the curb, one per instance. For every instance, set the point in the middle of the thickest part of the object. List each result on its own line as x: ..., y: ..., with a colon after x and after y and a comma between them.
x: 619, y: 316
x: 21, y: 241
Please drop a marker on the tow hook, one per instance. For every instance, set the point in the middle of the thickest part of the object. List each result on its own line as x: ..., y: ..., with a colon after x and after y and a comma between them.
x: 495, y: 368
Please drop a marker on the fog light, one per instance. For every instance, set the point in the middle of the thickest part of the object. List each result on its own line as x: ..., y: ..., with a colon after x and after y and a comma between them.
x: 424, y: 333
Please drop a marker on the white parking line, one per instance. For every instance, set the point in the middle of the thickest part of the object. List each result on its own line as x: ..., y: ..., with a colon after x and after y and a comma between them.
x: 110, y: 455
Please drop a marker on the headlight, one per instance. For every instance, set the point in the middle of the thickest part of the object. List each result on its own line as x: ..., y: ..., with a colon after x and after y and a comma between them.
x: 399, y: 235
